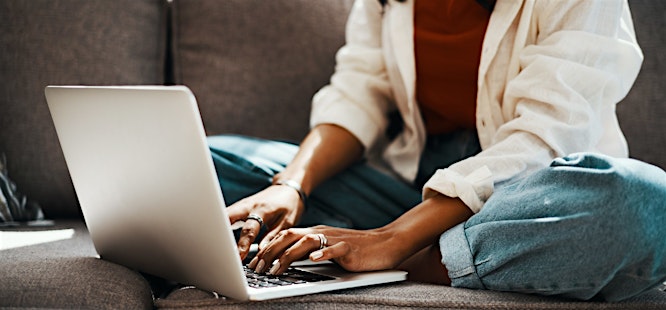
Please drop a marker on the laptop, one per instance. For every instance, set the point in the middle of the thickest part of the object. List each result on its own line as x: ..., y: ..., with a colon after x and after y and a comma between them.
x: 142, y: 171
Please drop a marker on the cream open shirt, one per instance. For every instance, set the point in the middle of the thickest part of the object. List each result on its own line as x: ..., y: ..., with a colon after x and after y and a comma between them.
x: 551, y: 73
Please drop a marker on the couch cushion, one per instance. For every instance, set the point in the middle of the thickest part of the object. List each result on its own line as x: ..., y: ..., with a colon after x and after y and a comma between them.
x: 66, y: 42
x: 643, y: 112
x: 254, y: 65
x: 403, y: 296
x: 65, y: 274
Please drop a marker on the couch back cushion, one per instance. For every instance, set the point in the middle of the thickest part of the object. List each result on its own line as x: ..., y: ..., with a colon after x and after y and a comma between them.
x: 45, y: 42
x: 643, y: 112
x: 254, y: 65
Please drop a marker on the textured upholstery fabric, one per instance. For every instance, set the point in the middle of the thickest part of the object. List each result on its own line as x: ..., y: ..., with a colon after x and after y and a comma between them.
x: 254, y: 65
x: 406, y: 295
x: 642, y: 113
x: 47, y: 42
x: 66, y: 274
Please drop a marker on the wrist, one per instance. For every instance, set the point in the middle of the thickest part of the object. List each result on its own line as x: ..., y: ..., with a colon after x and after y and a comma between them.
x: 303, y: 197
x: 393, y: 244
x: 422, y: 225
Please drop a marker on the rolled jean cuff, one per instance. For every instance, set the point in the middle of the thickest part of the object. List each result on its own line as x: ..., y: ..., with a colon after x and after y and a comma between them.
x: 458, y: 260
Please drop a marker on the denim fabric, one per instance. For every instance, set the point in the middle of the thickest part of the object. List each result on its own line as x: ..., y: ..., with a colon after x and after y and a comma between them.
x: 246, y: 165
x: 587, y: 227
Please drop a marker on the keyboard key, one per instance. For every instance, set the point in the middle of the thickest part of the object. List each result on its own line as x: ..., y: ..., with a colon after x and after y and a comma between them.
x: 290, y: 277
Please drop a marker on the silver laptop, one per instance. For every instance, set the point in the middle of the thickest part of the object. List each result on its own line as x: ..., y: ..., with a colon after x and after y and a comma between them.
x: 146, y: 183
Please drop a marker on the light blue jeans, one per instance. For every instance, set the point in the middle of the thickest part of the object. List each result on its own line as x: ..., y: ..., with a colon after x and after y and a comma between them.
x: 587, y: 227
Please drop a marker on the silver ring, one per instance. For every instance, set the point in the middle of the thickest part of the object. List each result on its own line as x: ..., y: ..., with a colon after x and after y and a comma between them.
x: 255, y: 217
x: 323, y: 242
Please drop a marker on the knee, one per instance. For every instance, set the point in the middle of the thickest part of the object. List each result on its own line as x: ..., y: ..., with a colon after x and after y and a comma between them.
x: 628, y: 216
x: 583, y: 183
x: 582, y: 210
x: 622, y: 168
x: 629, y: 193
x: 616, y: 181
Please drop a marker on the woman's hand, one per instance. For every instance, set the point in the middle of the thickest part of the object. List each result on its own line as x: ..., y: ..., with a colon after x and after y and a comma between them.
x: 376, y: 249
x: 279, y: 207
x: 327, y: 150
x: 353, y: 250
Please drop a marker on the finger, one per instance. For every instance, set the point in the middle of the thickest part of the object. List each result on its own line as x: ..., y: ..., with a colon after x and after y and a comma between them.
x: 300, y: 249
x: 270, y: 236
x: 248, y: 234
x: 237, y: 212
x: 337, y: 250
x: 253, y: 262
x: 283, y: 240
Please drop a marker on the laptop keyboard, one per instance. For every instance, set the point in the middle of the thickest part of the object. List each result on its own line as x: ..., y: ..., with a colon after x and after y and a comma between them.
x: 290, y: 277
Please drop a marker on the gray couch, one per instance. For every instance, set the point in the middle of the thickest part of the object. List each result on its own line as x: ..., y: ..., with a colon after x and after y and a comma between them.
x: 253, y: 65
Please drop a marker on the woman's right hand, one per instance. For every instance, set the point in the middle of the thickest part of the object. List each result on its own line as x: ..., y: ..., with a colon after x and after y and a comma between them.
x: 279, y: 207
x: 327, y: 150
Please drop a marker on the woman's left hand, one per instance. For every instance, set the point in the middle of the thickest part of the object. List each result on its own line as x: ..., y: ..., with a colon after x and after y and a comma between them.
x: 354, y: 250
x: 365, y: 250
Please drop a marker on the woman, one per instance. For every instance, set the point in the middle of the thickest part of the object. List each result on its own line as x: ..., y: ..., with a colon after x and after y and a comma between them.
x: 503, y: 116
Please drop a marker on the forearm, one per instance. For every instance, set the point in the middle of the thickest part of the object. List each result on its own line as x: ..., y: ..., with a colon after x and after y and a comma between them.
x: 422, y: 225
x: 327, y: 150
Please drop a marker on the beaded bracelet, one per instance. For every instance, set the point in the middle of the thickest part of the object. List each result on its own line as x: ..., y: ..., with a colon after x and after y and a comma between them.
x: 293, y: 184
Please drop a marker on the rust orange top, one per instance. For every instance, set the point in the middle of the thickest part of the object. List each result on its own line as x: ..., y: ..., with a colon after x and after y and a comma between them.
x: 448, y: 36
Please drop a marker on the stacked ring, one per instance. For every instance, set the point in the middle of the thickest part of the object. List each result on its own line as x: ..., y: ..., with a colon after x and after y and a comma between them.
x: 323, y: 242
x: 255, y: 217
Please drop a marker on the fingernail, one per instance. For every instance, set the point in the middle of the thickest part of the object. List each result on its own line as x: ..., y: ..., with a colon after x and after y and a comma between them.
x: 260, y: 266
x: 263, y: 244
x: 253, y: 262
x: 316, y: 255
x: 275, y: 268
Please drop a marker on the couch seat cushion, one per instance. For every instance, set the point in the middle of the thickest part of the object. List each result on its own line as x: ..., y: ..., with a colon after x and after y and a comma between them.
x: 66, y: 274
x: 405, y: 295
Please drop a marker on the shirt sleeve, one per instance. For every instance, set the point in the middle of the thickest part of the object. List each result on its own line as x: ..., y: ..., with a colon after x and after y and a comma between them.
x: 359, y: 95
x: 584, y: 60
